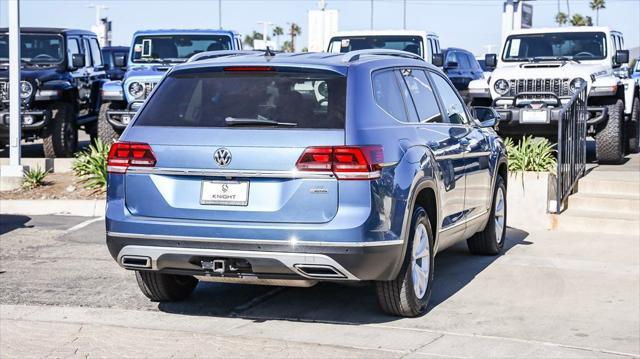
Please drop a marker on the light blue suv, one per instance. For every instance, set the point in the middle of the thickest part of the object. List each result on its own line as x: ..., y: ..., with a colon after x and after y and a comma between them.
x: 153, y: 53
x: 289, y: 169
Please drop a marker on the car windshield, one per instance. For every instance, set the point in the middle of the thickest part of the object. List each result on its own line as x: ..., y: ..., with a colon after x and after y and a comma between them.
x: 35, y: 48
x: 553, y: 46
x: 213, y: 98
x: 176, y: 48
x: 350, y: 43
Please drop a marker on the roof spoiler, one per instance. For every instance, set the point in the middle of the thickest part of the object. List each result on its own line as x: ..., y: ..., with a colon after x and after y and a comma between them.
x: 355, y: 55
x: 221, y: 53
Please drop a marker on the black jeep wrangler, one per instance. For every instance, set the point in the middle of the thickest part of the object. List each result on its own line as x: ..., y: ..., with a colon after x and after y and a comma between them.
x: 62, y: 73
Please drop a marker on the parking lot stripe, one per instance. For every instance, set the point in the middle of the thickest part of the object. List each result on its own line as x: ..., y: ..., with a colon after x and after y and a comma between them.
x: 84, y: 224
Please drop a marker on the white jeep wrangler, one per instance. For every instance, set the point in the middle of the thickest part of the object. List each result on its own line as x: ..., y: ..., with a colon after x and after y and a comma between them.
x: 540, y: 69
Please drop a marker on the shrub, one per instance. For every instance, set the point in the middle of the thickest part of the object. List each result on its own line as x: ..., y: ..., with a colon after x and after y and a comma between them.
x: 91, y: 166
x: 35, y: 177
x: 531, y: 154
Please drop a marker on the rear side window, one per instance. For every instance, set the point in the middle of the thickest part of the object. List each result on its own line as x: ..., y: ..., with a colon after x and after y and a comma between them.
x: 423, y: 96
x: 218, y: 99
x: 387, y: 94
x: 95, y: 52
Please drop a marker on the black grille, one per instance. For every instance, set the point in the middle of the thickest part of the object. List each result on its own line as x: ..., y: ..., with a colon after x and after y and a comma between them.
x: 148, y: 87
x: 4, y: 91
x: 560, y: 87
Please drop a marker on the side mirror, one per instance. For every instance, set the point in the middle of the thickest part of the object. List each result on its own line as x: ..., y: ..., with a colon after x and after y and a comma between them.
x: 487, y: 116
x: 437, y: 60
x: 77, y: 61
x: 119, y: 61
x: 491, y: 60
x: 622, y: 57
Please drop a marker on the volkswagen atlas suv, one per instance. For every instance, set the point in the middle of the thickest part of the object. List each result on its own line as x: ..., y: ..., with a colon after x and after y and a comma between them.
x: 290, y: 169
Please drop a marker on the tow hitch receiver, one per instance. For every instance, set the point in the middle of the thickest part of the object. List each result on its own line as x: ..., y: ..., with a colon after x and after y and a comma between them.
x: 216, y: 265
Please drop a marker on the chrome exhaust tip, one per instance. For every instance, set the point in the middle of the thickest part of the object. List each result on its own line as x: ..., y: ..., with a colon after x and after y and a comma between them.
x: 319, y: 271
x: 135, y: 262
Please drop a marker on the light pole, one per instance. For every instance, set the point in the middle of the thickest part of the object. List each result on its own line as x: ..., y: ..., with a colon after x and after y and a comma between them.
x: 371, y: 15
x: 220, y: 14
x: 11, y: 176
x: 404, y: 14
x: 265, y: 29
x: 98, y: 8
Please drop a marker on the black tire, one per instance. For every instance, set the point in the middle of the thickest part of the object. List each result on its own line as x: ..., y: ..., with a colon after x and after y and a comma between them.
x: 487, y: 242
x: 60, y: 137
x: 397, y: 296
x: 610, y: 139
x: 161, y: 287
x: 106, y: 132
x: 633, y: 128
x: 91, y: 129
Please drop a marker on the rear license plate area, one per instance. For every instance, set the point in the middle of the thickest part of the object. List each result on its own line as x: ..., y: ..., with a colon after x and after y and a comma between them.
x: 224, y: 193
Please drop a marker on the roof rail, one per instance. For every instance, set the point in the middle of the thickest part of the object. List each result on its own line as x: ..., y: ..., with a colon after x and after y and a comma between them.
x: 355, y: 55
x: 221, y: 53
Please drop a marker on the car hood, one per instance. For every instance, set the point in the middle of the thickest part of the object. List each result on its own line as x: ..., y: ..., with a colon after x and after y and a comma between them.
x: 147, y: 71
x: 550, y: 70
x: 36, y: 76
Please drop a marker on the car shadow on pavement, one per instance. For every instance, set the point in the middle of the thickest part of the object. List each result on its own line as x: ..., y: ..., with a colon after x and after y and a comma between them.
x: 328, y: 302
x: 10, y: 222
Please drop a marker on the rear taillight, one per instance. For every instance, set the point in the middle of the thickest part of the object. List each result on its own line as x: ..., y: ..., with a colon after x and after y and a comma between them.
x: 123, y: 155
x: 346, y: 162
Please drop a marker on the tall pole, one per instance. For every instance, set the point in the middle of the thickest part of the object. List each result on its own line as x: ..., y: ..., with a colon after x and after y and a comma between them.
x: 15, y: 132
x: 404, y: 14
x: 220, y: 14
x: 371, y: 14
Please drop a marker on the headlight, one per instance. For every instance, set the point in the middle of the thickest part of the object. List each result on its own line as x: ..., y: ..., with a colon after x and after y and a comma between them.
x: 136, y: 89
x: 501, y: 87
x: 576, y: 84
x: 26, y: 89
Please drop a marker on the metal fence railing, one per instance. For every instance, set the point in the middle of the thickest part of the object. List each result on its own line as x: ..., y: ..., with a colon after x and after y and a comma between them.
x: 572, y: 146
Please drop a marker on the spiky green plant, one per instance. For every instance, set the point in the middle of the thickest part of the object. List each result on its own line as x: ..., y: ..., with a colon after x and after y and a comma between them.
x: 531, y: 154
x: 35, y: 177
x: 91, y: 166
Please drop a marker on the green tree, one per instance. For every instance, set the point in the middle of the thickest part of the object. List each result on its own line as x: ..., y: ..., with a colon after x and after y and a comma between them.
x: 287, y: 47
x: 248, y: 39
x: 561, y: 18
x: 579, y: 20
x: 294, y: 31
x: 596, y: 5
x: 277, y: 32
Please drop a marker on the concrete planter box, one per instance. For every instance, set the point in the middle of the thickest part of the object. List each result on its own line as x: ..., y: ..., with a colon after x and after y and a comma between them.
x: 528, y: 200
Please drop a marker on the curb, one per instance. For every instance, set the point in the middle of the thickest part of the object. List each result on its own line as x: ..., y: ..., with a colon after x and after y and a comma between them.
x: 84, y: 208
x: 55, y: 165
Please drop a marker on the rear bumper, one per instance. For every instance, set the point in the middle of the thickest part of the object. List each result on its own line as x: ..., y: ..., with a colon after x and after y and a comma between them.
x: 267, y: 259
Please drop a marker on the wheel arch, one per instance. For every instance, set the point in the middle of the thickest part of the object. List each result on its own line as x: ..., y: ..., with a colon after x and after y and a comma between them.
x: 424, y: 192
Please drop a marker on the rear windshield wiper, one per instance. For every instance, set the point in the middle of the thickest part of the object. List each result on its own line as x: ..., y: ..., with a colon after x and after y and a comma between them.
x: 260, y: 121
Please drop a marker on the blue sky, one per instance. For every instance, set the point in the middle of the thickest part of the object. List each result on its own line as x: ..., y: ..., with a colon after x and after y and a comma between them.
x: 468, y: 24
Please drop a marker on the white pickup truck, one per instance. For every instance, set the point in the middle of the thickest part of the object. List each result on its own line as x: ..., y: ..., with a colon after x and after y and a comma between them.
x: 540, y: 69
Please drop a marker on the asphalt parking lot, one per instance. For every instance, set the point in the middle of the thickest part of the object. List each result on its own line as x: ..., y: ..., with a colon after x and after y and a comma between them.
x: 551, y: 294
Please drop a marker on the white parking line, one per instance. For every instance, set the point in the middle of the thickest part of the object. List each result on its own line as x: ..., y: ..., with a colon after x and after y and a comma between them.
x: 84, y: 224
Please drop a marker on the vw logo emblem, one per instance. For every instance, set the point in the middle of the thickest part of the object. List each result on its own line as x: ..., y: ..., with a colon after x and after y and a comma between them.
x: 222, y: 156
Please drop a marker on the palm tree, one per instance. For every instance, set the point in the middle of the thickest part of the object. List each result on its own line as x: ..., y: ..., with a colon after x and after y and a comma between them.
x: 277, y: 31
x: 579, y: 20
x: 597, y: 5
x: 248, y: 39
x: 294, y: 30
x: 561, y: 18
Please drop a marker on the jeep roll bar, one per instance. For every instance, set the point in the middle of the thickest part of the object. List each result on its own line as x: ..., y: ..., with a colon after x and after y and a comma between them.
x: 355, y: 55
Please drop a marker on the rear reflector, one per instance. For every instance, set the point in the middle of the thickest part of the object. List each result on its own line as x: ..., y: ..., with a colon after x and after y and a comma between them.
x: 122, y: 155
x: 346, y: 162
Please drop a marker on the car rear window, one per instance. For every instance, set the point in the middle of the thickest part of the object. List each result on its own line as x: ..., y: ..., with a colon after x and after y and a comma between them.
x: 211, y: 98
